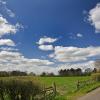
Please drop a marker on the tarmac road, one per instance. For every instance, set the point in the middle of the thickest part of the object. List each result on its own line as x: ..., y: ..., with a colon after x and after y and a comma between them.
x: 94, y: 95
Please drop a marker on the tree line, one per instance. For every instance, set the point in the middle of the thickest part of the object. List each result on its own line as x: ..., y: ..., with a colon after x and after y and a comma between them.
x: 61, y: 72
x: 12, y: 73
x: 77, y: 72
x: 72, y: 72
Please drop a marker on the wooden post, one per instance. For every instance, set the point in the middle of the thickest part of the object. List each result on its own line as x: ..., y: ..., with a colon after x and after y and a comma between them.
x: 44, y: 92
x: 54, y: 86
x: 78, y: 85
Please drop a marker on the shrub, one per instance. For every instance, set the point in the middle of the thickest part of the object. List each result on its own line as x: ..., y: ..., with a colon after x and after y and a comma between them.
x: 96, y: 76
x: 18, y: 90
x: 1, y: 90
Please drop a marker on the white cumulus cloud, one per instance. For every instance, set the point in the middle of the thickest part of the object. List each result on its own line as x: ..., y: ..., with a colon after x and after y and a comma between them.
x: 74, y: 54
x: 45, y: 43
x: 46, y: 47
x: 46, y: 40
x: 16, y: 61
x: 6, y: 27
x: 94, y: 17
x: 7, y: 42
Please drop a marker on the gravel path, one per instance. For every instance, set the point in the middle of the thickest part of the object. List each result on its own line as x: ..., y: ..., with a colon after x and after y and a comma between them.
x: 94, y: 95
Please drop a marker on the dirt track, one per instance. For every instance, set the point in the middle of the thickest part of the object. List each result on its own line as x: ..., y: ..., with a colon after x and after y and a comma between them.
x: 94, y: 95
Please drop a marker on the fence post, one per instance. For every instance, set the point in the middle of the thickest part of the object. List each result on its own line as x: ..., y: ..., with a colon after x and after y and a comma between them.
x: 78, y: 85
x: 54, y: 85
x: 44, y: 92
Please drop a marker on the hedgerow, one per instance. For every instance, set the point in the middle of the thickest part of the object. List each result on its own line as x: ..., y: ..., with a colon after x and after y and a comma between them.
x: 18, y: 90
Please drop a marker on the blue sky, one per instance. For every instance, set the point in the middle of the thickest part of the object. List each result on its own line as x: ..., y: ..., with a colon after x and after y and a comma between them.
x: 67, y: 28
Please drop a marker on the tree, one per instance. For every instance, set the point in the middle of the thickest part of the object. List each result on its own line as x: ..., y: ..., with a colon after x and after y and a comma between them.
x: 50, y: 74
x: 94, y: 70
x: 43, y: 74
x: 63, y: 72
x: 70, y: 72
x: 79, y: 72
x: 18, y: 73
x: 4, y: 74
x: 32, y: 74
x: 97, y: 65
x: 88, y: 71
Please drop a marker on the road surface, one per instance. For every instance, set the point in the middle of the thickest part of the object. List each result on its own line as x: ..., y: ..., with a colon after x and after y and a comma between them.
x: 94, y: 95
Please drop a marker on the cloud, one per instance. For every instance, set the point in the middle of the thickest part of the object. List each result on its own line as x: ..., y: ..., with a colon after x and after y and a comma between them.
x: 9, y: 12
x: 75, y: 36
x: 18, y: 57
x: 7, y: 28
x: 6, y: 42
x: 16, y: 61
x: 46, y: 47
x: 79, y: 35
x: 74, y: 54
x: 94, y: 17
x: 46, y: 40
x: 10, y: 61
x: 5, y: 9
x: 8, y: 49
x: 83, y: 66
x: 43, y: 43
x: 3, y: 2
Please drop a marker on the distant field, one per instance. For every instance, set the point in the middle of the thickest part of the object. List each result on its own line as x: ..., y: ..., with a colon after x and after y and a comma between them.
x: 66, y: 86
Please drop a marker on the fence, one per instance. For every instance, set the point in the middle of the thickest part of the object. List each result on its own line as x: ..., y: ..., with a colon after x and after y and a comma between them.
x: 81, y: 84
x: 48, y: 93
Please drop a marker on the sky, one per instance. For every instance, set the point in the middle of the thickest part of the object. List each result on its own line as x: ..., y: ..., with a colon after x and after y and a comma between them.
x: 48, y: 35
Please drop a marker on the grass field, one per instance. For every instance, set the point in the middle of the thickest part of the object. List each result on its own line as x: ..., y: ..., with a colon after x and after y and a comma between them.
x: 66, y: 86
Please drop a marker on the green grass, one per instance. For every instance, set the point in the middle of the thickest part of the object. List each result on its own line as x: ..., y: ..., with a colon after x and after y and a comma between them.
x: 66, y: 86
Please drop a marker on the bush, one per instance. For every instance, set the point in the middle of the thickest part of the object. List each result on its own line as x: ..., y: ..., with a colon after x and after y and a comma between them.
x: 18, y: 90
x: 96, y: 76
x: 1, y: 90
